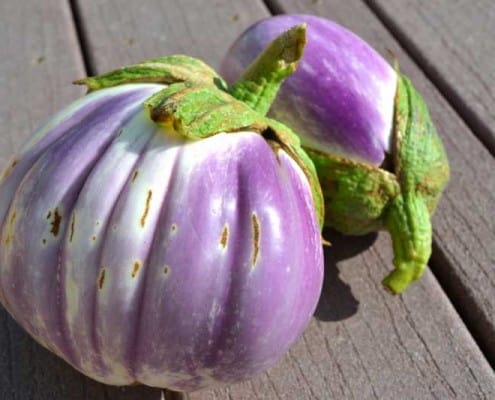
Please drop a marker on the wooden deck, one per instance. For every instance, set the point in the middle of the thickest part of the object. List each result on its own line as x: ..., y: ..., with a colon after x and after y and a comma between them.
x: 436, y: 341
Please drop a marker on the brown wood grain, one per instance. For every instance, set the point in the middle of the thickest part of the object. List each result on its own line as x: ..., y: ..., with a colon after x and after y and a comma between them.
x: 362, y: 343
x: 453, y: 41
x: 464, y: 225
x: 40, y: 58
x: 125, y: 31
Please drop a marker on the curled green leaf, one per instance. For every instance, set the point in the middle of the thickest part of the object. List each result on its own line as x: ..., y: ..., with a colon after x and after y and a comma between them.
x: 166, y: 70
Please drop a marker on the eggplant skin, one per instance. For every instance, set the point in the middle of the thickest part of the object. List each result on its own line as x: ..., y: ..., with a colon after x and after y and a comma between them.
x: 340, y: 100
x: 140, y: 256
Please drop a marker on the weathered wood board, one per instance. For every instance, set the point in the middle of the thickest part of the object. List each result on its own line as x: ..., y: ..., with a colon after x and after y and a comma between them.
x: 40, y: 57
x: 123, y: 32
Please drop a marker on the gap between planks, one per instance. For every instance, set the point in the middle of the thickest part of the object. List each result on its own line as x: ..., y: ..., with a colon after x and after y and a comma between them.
x: 82, y: 38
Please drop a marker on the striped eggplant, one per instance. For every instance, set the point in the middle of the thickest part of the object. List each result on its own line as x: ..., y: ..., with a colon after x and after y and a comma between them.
x: 159, y: 231
x: 379, y: 159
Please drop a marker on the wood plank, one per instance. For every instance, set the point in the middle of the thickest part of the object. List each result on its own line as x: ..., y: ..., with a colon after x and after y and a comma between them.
x: 464, y: 225
x: 457, y: 31
x: 39, y: 61
x: 124, y: 32
x: 375, y: 346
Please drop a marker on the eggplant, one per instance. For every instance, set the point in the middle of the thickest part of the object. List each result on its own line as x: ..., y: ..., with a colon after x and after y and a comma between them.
x: 159, y: 231
x: 380, y: 161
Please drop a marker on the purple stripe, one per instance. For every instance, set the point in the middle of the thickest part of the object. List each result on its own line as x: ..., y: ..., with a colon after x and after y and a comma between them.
x: 76, y: 152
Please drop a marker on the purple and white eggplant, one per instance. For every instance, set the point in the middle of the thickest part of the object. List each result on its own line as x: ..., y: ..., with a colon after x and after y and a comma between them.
x: 172, y: 245
x: 379, y: 159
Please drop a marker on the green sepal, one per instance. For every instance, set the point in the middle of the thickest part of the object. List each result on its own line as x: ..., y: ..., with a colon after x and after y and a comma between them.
x: 420, y: 160
x: 408, y: 221
x: 355, y: 194
x: 422, y: 171
x: 198, y: 112
x: 166, y: 70
x: 291, y: 143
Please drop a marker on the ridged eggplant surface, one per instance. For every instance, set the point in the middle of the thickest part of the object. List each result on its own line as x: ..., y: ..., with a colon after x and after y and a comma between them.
x: 138, y: 255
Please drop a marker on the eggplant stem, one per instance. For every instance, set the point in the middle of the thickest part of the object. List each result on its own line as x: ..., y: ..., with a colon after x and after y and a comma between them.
x: 259, y: 84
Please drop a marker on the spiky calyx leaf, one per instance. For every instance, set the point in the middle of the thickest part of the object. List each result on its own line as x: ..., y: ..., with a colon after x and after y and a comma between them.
x: 166, y: 70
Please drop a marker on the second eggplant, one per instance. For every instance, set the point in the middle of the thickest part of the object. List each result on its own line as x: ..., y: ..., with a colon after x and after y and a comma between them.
x: 379, y: 158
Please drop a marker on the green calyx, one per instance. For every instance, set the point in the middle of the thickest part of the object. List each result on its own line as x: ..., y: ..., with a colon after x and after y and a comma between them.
x: 197, y: 104
x: 361, y: 198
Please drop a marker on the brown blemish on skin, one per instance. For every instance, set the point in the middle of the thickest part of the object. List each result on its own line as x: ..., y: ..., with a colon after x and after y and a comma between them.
x: 72, y: 222
x: 173, y: 228
x: 256, y: 238
x: 146, y: 208
x: 135, y: 270
x: 225, y: 236
x: 134, y: 176
x: 48, y: 215
x: 166, y: 270
x: 276, y: 150
x: 43, y: 241
x: 101, y: 278
x: 57, y: 218
x: 9, y: 169
x: 10, y: 228
x: 12, y: 219
x: 94, y: 238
